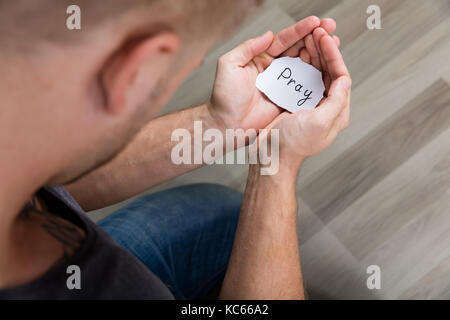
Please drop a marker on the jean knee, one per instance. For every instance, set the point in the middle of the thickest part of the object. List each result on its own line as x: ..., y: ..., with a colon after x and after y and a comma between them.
x: 226, y: 200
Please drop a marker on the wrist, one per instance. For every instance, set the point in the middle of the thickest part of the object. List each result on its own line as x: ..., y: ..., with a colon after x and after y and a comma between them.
x: 215, y: 120
x: 291, y: 164
x: 234, y: 137
x: 286, y: 172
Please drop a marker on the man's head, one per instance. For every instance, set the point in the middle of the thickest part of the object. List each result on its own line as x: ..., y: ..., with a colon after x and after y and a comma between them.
x: 74, y: 98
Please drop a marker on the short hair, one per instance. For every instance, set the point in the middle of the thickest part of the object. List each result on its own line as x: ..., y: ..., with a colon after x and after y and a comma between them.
x: 25, y: 20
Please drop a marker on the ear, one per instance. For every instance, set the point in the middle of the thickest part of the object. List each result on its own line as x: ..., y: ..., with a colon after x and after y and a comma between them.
x: 134, y: 70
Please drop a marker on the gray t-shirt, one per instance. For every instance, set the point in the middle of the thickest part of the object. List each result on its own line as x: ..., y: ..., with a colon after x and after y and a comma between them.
x: 107, y: 271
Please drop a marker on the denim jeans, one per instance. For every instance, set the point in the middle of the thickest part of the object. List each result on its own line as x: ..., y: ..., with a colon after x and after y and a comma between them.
x: 183, y: 235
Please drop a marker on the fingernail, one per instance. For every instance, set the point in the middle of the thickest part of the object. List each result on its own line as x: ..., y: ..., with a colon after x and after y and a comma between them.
x: 346, y: 83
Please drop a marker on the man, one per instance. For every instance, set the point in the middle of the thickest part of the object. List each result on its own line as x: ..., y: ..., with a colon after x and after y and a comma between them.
x: 75, y: 111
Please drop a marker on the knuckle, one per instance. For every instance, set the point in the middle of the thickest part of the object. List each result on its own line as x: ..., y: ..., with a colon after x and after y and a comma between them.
x: 282, y: 40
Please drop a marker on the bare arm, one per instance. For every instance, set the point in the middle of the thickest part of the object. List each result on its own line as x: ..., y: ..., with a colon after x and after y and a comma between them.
x: 144, y: 163
x: 265, y: 263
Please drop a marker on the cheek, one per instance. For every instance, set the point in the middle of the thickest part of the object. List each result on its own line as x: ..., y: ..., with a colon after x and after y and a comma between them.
x: 168, y: 86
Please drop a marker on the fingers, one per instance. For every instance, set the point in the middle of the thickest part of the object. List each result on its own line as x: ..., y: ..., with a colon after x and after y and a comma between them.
x: 317, y: 35
x: 313, y: 52
x: 340, y: 124
x: 304, y: 55
x: 295, y: 50
x: 244, y: 53
x: 289, y: 36
x: 338, y: 99
x: 344, y: 118
x: 333, y: 58
x: 337, y: 40
x: 328, y: 24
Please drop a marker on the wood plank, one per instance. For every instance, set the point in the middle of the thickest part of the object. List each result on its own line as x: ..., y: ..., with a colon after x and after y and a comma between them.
x: 447, y: 76
x: 327, y: 265
x: 350, y: 15
x: 426, y: 247
x: 308, y: 223
x: 301, y: 9
x: 402, y: 224
x: 373, y: 48
x: 435, y: 285
x: 374, y: 157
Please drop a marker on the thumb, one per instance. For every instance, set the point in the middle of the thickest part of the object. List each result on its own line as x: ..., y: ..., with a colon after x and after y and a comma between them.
x: 244, y: 53
x: 338, y: 98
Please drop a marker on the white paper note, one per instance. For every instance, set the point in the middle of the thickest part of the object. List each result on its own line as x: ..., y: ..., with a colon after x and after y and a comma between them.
x: 292, y: 84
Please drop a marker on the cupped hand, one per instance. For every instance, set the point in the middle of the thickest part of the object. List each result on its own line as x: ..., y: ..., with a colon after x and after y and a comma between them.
x: 235, y: 101
x: 308, y: 132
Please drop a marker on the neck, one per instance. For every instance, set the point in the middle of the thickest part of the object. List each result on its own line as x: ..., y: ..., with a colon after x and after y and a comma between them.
x: 21, y: 175
x: 17, y: 185
x: 23, y: 164
x: 23, y: 170
x: 28, y: 161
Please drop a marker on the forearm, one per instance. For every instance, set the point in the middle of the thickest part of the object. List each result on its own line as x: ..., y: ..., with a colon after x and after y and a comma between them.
x: 144, y: 163
x: 265, y: 262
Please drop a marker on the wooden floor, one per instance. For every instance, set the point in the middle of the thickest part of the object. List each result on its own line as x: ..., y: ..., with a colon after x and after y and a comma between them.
x: 381, y: 194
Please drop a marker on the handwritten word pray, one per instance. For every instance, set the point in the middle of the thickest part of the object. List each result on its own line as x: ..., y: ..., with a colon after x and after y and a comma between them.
x: 287, y: 74
x: 291, y: 84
